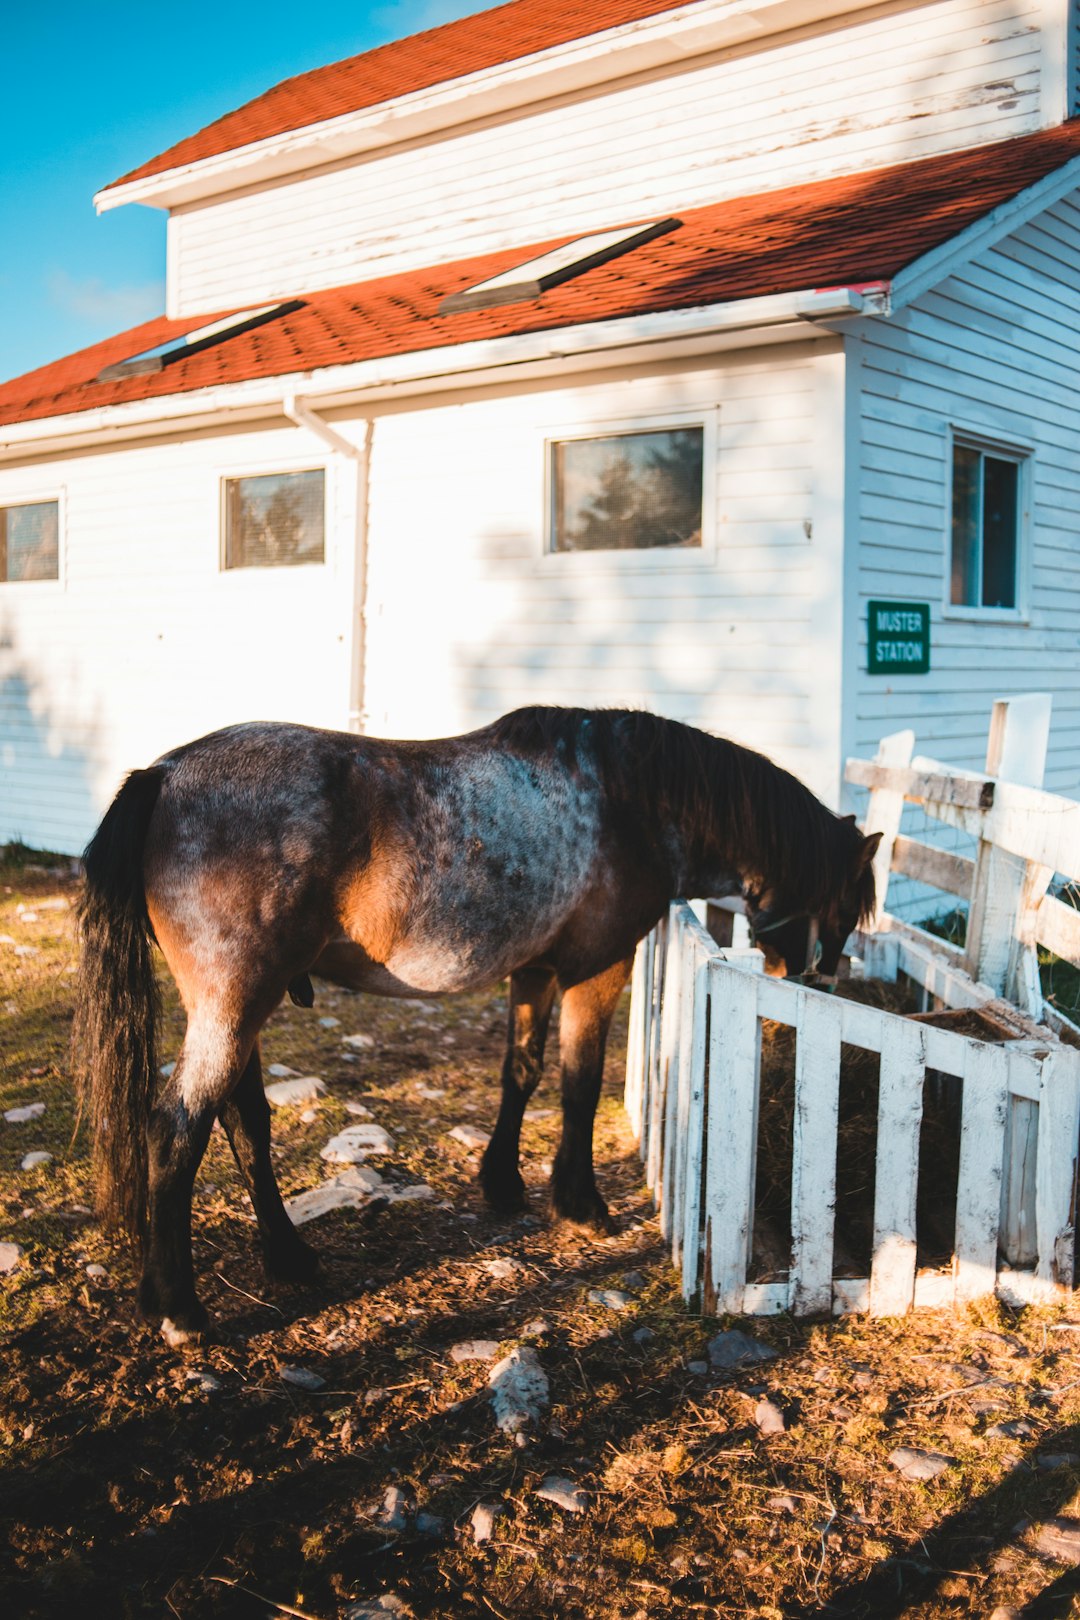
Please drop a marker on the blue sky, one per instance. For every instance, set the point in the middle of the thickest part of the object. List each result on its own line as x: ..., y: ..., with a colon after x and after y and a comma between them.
x: 92, y: 90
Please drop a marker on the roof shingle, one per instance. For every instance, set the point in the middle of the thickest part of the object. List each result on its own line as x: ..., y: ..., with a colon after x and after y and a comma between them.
x: 840, y: 232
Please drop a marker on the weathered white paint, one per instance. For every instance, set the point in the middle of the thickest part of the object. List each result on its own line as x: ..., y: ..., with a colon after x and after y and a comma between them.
x: 896, y: 1176
x: 732, y: 1135
x: 836, y: 96
x: 813, y: 1168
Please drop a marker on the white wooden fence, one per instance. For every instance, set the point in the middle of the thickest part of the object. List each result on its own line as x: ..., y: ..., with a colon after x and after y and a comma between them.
x: 693, y: 1082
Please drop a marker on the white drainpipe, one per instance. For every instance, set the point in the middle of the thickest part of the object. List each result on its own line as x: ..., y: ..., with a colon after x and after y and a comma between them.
x: 302, y: 414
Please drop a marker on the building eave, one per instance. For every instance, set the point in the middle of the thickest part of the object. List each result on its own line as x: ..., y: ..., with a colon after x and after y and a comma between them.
x: 665, y: 335
x: 597, y: 59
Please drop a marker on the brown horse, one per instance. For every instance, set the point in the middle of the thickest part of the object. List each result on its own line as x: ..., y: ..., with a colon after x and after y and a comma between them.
x: 542, y: 848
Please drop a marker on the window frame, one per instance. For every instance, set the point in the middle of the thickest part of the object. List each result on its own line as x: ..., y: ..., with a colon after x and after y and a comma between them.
x: 1022, y: 454
x: 275, y: 467
x: 648, y: 558
x: 57, y: 495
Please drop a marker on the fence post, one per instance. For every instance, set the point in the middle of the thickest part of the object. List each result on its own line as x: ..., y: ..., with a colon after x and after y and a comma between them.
x: 1000, y: 950
x: 883, y: 815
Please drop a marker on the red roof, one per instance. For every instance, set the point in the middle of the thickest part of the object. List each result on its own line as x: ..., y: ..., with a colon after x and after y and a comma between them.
x: 504, y: 34
x: 841, y: 232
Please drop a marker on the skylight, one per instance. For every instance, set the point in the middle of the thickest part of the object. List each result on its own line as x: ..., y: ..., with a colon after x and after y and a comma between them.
x: 537, y: 276
x: 201, y: 337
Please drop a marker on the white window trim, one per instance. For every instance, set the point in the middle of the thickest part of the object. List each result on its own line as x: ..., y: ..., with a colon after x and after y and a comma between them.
x: 1005, y: 449
x: 653, y: 558
x: 57, y: 493
x: 273, y: 466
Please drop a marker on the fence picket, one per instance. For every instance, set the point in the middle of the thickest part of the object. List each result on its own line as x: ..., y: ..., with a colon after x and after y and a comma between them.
x: 982, y: 1153
x: 813, y: 1168
x: 694, y: 1130
x: 688, y: 991
x: 669, y: 1067
x: 636, y: 1037
x: 731, y: 1136
x: 896, y: 1176
x: 1055, y: 1180
x: 654, y: 1115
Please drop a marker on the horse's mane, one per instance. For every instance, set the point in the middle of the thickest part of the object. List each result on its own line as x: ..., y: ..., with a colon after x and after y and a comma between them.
x: 718, y: 792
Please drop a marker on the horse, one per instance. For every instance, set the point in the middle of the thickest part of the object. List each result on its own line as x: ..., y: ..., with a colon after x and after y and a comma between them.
x: 540, y: 848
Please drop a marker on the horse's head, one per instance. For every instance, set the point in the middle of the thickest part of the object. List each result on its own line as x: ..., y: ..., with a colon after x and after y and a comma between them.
x: 806, y: 941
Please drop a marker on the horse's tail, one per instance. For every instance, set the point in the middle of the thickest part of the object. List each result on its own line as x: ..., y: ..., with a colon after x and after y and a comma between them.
x: 116, y: 1013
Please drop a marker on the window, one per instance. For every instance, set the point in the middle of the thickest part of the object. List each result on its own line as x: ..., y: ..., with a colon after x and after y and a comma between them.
x: 628, y: 491
x: 200, y: 337
x: 987, y: 501
x: 30, y: 541
x: 537, y: 276
x: 275, y: 521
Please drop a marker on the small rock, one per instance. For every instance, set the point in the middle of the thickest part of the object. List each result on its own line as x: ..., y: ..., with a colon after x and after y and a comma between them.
x: 355, y: 1142
x: 1005, y: 1611
x: 358, y: 1110
x: 302, y: 1378
x: 783, y: 1504
x: 27, y: 950
x: 393, y: 1512
x: 612, y: 1299
x: 698, y: 1368
x: 96, y: 1270
x: 633, y: 1280
x: 309, y: 1116
x: 57, y: 904
x: 429, y: 1524
x: 429, y: 1093
x: 404, y: 1195
x: 359, y: 1043
x: 536, y: 1329
x: 281, y: 1071
x: 564, y: 1493
x: 520, y: 1392
x: 19, y: 1116
x: 470, y: 1136
x: 914, y: 1463
x: 643, y: 1335
x: 475, y: 1350
x: 502, y: 1269
x: 1014, y: 1429
x: 205, y: 1380
x: 26, y: 916
x: 1059, y: 1539
x: 737, y: 1349
x: 1049, y: 1460
x: 295, y: 1093
x: 329, y: 1022
x: 33, y: 1160
x: 768, y: 1418
x: 352, y: 1189
x: 483, y: 1519
x: 10, y: 1255
x: 378, y: 1608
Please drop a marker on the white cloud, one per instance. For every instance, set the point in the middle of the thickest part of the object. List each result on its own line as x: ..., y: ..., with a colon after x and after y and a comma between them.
x: 90, y: 299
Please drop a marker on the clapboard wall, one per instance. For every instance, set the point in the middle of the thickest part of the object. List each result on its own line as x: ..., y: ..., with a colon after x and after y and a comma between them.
x: 994, y: 349
x: 145, y: 641
x: 893, y: 83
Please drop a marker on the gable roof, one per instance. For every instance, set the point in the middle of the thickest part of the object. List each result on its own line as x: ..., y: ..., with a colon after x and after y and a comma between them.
x: 484, y: 40
x: 850, y: 231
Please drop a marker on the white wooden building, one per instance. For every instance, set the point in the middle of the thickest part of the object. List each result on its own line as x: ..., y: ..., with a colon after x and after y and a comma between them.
x: 823, y: 355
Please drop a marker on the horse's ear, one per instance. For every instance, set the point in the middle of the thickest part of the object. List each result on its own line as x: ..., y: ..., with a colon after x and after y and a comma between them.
x: 850, y: 818
x: 869, y: 850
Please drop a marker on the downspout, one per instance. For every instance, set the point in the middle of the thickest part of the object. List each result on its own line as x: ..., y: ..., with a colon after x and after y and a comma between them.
x: 359, y: 454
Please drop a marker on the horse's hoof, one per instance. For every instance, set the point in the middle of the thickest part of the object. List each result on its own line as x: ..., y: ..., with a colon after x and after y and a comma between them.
x: 503, y: 1188
x: 300, y: 1265
x: 177, y: 1336
x: 589, y: 1212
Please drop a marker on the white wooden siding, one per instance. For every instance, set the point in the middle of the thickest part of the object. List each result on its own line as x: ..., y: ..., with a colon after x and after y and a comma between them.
x: 896, y: 83
x: 997, y: 348
x: 146, y: 642
x: 467, y: 616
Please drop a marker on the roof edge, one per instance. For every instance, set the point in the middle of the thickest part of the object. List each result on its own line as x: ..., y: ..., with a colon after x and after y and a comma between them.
x: 592, y: 60
x: 710, y: 325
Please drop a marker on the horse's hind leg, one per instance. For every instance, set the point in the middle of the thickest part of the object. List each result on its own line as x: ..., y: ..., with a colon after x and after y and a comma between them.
x: 532, y: 994
x: 210, y: 1063
x: 246, y: 1119
x: 583, y: 1027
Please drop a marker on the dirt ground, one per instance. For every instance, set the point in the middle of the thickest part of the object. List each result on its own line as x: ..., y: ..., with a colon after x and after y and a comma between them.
x: 141, y: 1482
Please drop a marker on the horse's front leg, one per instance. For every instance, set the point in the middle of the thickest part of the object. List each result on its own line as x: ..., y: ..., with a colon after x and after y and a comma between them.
x: 246, y: 1119
x: 583, y: 1027
x: 210, y: 1063
x: 532, y: 995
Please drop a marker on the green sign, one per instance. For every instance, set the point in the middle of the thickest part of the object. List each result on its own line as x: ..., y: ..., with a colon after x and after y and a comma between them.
x: 898, y: 638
